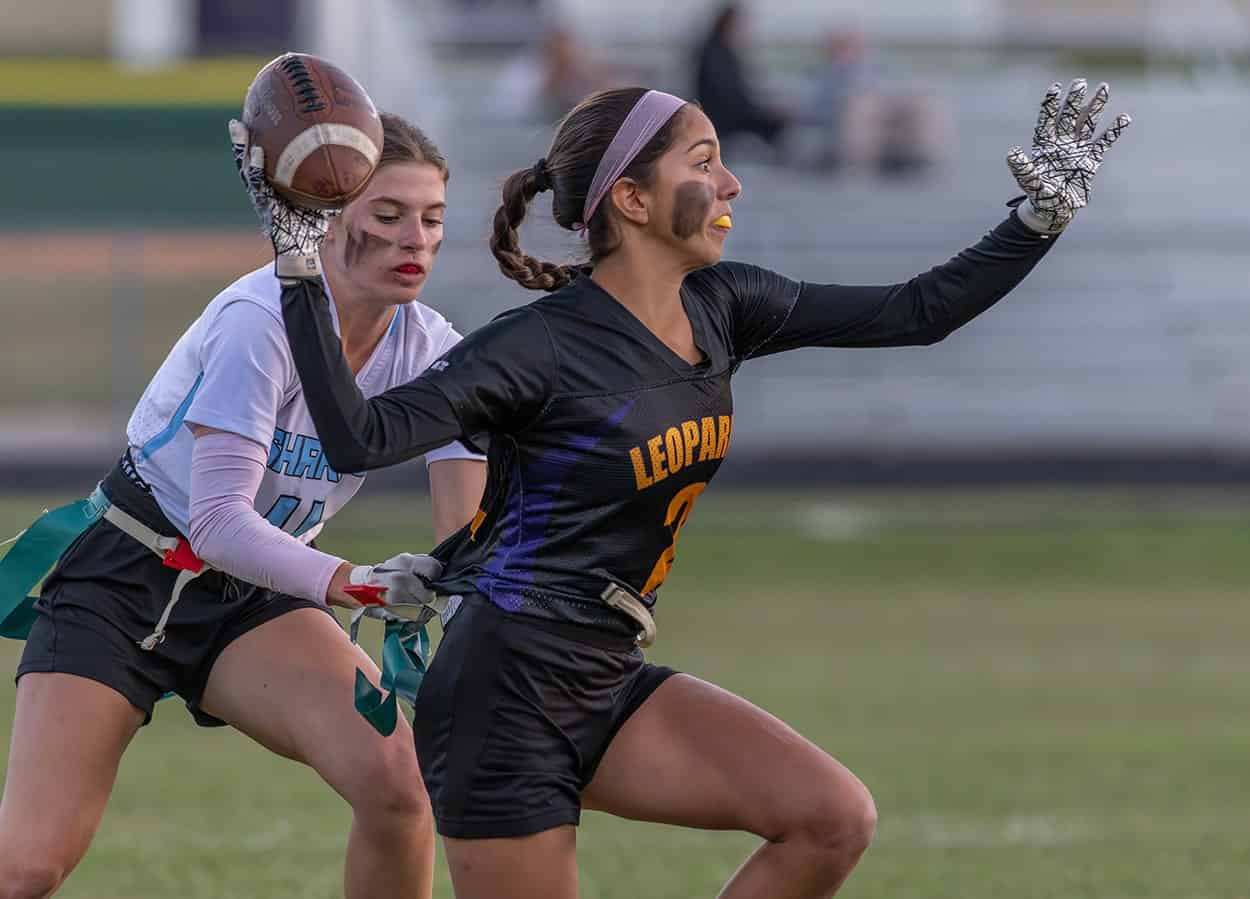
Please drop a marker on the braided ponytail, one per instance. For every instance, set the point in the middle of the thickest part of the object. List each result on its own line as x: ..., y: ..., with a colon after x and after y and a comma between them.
x: 535, y: 274
x: 581, y: 139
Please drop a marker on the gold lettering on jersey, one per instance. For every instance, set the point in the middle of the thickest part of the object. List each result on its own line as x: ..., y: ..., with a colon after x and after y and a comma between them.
x: 657, y: 457
x: 694, y: 440
x: 641, y: 477
x: 673, y: 446
x: 722, y: 442
x: 690, y: 433
x: 707, y: 449
x: 678, y: 511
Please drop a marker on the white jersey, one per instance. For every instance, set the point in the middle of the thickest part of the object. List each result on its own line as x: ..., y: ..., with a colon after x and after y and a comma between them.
x: 232, y: 370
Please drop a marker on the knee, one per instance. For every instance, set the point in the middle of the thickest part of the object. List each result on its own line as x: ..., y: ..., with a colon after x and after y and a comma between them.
x: 30, y: 878
x: 840, y: 820
x: 387, y: 789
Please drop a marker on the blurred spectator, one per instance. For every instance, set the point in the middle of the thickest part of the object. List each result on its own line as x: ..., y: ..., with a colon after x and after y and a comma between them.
x: 550, y: 78
x: 866, y: 123
x: 724, y: 86
x: 568, y: 71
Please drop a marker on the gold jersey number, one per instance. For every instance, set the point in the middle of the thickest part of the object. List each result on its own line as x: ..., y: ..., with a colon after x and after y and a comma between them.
x: 678, y: 511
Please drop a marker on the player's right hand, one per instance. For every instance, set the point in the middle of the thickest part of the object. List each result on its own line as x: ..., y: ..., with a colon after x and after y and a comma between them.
x: 400, y: 586
x: 295, y: 232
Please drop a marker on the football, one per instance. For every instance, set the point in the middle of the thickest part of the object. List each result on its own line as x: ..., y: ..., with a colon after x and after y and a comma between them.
x: 320, y: 131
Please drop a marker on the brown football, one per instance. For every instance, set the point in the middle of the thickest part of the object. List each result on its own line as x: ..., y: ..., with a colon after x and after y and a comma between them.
x: 318, y: 128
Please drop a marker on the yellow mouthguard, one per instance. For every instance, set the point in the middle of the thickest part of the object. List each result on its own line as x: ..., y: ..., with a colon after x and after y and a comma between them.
x: 724, y: 222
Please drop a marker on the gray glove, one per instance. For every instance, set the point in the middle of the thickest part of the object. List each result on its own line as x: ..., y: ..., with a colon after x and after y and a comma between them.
x: 1057, y: 177
x: 295, y: 232
x: 402, y: 584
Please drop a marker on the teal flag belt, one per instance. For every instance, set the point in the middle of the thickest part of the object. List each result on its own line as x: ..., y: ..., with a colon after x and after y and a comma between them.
x: 405, y: 656
x: 33, y: 554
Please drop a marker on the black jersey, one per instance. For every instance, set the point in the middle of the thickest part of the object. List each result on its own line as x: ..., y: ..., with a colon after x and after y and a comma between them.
x: 602, y: 438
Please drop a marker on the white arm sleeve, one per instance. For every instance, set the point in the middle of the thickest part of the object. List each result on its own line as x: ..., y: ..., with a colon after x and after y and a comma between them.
x: 228, y: 533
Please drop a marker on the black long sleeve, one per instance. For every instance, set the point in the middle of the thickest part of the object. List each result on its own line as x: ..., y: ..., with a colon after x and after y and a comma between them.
x: 494, y: 380
x: 775, y: 314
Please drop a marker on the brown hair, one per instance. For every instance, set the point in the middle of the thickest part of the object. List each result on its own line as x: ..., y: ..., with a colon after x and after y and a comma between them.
x: 581, y: 139
x: 403, y: 141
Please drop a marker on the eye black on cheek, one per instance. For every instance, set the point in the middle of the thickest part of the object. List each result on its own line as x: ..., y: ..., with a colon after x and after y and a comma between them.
x: 692, y: 200
x: 361, y: 244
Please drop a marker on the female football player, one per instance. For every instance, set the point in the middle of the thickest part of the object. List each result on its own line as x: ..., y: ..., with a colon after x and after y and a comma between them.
x: 608, y: 407
x: 224, y: 467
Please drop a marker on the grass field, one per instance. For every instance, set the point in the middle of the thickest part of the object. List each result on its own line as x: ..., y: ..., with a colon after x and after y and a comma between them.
x: 82, y: 82
x: 1047, y: 694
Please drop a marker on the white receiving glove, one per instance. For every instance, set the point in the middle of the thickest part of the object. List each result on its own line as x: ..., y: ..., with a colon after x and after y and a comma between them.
x: 1057, y: 177
x: 400, y: 586
x: 295, y: 232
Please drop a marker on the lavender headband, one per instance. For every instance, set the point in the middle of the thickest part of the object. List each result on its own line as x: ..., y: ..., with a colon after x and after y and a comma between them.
x: 649, y: 115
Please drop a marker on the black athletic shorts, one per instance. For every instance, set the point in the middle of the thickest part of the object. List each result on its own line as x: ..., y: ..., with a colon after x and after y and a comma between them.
x: 515, y: 714
x: 107, y: 593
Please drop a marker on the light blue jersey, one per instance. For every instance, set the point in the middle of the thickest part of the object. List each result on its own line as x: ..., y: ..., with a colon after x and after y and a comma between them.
x: 232, y: 371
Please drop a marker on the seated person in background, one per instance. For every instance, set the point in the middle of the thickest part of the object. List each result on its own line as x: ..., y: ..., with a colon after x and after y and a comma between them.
x: 866, y: 123
x: 549, y: 77
x: 723, y: 85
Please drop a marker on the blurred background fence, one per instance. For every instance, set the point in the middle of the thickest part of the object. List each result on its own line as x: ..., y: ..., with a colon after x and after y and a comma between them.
x: 1126, y: 356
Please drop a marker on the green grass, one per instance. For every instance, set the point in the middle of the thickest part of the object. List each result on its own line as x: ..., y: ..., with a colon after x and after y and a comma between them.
x: 85, y: 82
x: 1046, y: 692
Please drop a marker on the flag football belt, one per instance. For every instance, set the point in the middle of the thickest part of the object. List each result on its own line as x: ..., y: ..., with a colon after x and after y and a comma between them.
x: 405, y: 657
x: 36, y: 550
x: 406, y: 649
x: 621, y: 598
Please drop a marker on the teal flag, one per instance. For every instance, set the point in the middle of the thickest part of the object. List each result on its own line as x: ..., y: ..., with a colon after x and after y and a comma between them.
x: 405, y: 654
x: 33, y: 555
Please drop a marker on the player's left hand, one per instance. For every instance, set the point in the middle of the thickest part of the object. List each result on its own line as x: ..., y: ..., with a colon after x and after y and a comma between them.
x: 1057, y: 176
x: 295, y: 232
x: 400, y: 586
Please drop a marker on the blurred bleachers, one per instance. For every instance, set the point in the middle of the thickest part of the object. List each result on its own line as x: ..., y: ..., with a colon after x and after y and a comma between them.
x: 1132, y: 340
x: 1133, y: 336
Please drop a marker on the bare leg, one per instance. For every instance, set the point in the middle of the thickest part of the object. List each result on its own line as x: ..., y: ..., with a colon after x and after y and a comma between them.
x: 288, y: 684
x: 542, y: 866
x: 69, y: 734
x: 698, y: 756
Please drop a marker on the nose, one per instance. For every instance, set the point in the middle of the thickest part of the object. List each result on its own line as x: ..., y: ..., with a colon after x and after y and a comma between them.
x: 414, y: 236
x: 731, y: 189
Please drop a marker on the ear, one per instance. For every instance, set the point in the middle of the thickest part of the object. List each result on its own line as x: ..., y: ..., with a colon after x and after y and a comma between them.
x: 629, y: 201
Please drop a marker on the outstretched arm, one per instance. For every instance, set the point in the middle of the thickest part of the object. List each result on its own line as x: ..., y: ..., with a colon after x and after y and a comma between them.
x: 779, y: 315
x: 494, y: 381
x: 491, y: 382
x: 358, y: 434
x: 915, y: 313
